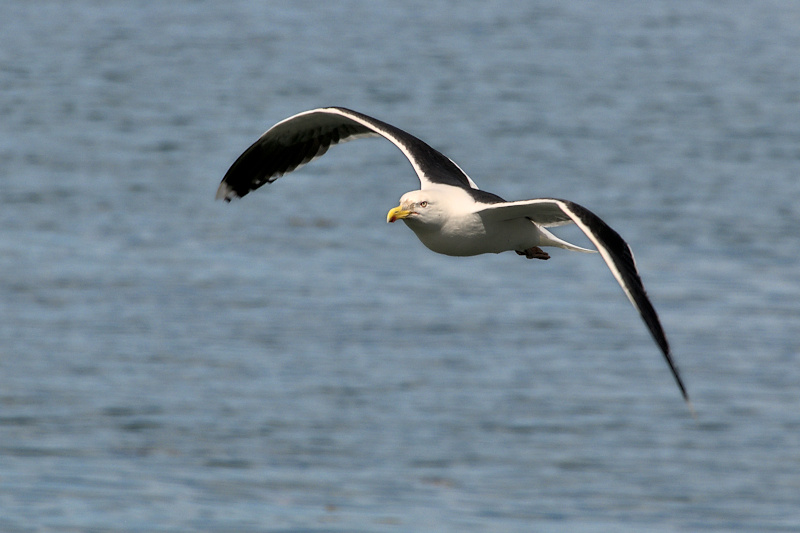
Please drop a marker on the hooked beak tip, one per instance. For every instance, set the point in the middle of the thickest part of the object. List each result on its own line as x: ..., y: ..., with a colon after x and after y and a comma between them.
x: 396, y: 213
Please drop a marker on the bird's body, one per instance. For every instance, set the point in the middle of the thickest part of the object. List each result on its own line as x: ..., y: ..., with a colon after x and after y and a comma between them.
x: 449, y: 221
x: 449, y: 214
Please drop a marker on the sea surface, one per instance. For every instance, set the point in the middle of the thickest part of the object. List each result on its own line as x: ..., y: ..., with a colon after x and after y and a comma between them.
x: 291, y: 363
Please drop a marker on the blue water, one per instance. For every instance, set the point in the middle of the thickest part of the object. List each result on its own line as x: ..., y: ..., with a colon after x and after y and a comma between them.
x: 291, y: 363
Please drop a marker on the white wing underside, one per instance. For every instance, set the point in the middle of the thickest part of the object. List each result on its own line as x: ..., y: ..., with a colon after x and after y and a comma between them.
x: 550, y: 212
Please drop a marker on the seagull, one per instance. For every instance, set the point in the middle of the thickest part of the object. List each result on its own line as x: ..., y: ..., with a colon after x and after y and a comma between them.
x: 449, y: 213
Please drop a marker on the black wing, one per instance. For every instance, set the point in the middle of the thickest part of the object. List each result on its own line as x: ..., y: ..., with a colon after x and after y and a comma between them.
x: 300, y: 139
x: 615, y: 251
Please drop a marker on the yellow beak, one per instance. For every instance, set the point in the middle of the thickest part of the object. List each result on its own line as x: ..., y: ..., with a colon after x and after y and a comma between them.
x: 397, y: 213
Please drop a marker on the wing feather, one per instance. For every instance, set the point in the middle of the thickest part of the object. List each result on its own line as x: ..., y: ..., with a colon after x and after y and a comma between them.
x: 612, y: 247
x: 298, y: 140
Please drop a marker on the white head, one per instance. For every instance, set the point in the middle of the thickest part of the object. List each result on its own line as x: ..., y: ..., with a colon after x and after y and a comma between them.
x: 422, y: 208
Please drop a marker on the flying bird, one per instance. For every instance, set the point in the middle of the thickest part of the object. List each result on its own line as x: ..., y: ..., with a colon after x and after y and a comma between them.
x: 449, y: 213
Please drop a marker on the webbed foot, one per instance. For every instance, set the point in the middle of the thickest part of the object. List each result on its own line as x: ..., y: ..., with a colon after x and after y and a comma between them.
x: 534, y: 253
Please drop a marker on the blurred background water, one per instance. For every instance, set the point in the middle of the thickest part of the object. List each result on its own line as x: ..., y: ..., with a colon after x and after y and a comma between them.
x: 291, y: 363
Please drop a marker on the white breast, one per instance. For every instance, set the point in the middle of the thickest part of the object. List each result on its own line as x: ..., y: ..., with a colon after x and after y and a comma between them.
x: 468, y: 234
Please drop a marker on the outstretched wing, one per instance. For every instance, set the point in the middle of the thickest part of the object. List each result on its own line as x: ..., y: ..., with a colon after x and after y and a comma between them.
x: 615, y: 251
x: 300, y: 139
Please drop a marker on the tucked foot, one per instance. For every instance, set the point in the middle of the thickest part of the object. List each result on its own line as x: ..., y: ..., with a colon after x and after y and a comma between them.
x: 534, y: 253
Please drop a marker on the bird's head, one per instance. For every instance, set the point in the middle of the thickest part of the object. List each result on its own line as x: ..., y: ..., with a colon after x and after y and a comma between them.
x: 419, y: 208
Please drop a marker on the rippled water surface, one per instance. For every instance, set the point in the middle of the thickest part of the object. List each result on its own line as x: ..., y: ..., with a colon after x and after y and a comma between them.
x: 290, y: 363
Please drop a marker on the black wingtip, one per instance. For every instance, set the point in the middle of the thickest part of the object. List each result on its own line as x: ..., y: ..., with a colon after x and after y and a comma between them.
x: 679, y: 381
x: 686, y: 398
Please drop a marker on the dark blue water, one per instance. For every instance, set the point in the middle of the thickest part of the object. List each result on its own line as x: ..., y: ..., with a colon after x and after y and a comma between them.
x: 290, y: 363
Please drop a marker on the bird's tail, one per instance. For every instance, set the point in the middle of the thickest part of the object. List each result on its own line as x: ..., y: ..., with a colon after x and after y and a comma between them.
x: 548, y: 239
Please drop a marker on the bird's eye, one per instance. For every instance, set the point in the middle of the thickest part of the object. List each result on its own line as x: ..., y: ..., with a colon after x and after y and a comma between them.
x: 423, y: 203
